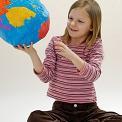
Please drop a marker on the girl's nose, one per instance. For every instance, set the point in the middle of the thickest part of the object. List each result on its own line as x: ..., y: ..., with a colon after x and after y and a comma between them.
x: 73, y: 23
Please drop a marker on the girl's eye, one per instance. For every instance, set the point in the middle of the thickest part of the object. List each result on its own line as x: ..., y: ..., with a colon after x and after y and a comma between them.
x: 70, y: 18
x: 80, y: 21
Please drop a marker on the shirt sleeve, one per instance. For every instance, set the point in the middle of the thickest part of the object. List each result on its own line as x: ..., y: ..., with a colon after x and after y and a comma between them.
x: 48, y: 70
x: 92, y: 69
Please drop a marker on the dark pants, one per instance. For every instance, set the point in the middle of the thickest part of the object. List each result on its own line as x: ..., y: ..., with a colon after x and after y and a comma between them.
x: 69, y: 112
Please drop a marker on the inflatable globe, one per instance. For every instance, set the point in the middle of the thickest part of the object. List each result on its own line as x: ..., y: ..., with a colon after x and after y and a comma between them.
x: 23, y: 21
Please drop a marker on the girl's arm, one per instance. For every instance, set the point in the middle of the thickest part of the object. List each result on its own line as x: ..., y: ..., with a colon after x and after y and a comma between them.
x: 37, y: 63
x: 77, y: 61
x: 90, y: 70
x: 45, y: 71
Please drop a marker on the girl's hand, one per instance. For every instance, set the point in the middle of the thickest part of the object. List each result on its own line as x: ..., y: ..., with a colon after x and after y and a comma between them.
x: 63, y: 50
x: 29, y: 50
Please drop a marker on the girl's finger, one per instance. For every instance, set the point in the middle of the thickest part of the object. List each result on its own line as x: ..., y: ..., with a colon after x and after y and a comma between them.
x: 61, y: 44
x: 31, y: 44
x: 59, y: 49
x: 25, y: 47
x: 20, y: 47
x: 58, y: 45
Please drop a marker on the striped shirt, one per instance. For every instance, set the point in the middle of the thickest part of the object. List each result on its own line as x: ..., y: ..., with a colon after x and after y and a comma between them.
x: 66, y: 83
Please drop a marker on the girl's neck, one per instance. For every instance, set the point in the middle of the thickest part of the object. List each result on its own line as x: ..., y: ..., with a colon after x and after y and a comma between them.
x: 76, y: 42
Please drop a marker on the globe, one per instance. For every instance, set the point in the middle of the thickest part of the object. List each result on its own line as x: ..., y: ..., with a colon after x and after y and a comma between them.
x: 23, y: 21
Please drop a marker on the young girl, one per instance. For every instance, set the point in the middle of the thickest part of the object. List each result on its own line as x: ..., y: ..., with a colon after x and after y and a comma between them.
x: 72, y: 65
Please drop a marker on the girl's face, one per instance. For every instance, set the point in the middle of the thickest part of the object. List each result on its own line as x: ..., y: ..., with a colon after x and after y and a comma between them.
x: 79, y: 24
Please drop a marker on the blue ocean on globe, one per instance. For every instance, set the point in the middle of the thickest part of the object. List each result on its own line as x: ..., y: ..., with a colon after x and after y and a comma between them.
x: 23, y: 21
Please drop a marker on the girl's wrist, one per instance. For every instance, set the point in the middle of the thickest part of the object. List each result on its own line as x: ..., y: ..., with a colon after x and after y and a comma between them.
x: 72, y: 56
x: 32, y: 54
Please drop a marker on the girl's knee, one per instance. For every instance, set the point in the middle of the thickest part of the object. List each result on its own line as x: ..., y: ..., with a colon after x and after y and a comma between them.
x: 117, y: 118
x: 34, y: 116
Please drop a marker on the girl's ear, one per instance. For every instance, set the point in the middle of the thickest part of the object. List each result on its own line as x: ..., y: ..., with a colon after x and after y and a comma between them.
x: 91, y: 29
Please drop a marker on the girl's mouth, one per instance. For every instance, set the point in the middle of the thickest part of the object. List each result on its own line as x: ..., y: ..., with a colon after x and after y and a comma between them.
x: 73, y: 29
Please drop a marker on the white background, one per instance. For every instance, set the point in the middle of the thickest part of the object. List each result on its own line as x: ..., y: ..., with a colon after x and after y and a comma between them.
x: 22, y: 92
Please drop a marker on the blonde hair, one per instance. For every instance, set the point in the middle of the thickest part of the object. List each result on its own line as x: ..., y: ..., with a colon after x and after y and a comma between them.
x: 94, y: 11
